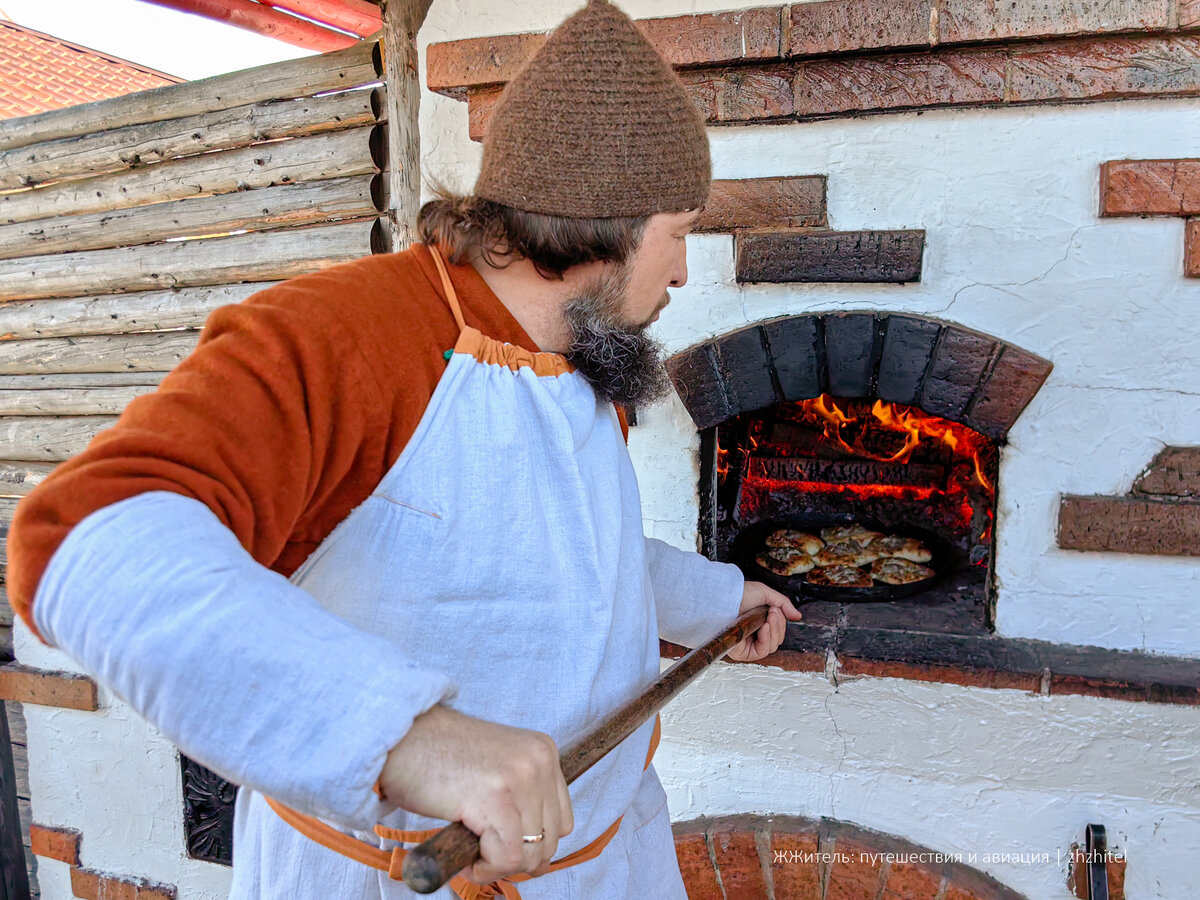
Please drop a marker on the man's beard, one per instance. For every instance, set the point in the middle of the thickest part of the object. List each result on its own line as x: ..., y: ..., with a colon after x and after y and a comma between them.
x: 619, y: 360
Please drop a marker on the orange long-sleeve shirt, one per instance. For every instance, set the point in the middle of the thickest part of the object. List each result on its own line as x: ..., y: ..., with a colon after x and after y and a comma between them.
x: 291, y: 409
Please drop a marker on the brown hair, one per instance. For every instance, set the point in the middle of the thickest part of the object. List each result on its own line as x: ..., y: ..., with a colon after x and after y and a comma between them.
x: 468, y: 224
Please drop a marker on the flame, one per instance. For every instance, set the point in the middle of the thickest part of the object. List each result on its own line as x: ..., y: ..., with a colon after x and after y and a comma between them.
x: 914, y: 424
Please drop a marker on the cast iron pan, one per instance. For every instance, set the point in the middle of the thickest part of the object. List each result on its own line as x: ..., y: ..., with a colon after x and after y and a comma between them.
x: 752, y: 541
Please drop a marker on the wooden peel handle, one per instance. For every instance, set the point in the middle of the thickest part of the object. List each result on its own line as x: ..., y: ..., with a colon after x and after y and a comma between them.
x: 430, y: 865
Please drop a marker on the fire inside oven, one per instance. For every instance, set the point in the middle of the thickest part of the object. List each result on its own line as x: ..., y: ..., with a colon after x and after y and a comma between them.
x: 893, y: 469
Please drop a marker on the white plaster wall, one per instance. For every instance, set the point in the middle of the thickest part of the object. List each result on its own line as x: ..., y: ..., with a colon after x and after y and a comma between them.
x: 958, y: 770
x: 111, y: 776
x: 1008, y: 199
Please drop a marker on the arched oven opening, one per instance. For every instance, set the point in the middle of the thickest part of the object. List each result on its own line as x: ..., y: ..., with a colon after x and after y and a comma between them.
x: 889, y: 427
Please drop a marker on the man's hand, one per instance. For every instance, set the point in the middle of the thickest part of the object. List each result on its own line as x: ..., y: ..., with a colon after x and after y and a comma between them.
x: 770, y: 635
x: 501, y: 782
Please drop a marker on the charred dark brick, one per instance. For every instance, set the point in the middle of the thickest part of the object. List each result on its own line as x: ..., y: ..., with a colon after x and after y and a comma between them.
x: 831, y: 256
x: 959, y: 362
x: 794, y: 354
x: 745, y: 367
x: 908, y: 344
x: 700, y: 386
x: 851, y: 354
x: 1010, y: 386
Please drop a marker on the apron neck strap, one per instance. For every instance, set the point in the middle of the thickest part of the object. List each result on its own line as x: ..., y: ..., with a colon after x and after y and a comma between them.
x: 447, y: 287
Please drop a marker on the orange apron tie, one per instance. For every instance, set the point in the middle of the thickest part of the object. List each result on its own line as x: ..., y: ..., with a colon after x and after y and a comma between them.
x: 391, y: 861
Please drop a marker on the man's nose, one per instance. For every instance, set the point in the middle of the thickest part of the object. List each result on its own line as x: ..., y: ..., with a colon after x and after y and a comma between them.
x: 680, y: 278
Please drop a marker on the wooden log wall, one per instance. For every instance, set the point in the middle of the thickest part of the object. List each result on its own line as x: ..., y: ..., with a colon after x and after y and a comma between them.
x: 124, y: 223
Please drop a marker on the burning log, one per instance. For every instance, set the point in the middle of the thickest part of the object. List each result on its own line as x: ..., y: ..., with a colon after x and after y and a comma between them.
x: 836, y: 472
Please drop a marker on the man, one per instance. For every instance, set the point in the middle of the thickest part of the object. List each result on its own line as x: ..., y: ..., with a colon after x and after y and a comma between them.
x: 426, y: 446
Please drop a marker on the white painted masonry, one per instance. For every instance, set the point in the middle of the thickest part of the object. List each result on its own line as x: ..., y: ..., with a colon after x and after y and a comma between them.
x: 1008, y: 199
x: 1014, y: 247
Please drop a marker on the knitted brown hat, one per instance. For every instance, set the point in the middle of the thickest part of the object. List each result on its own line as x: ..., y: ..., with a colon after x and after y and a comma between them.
x: 596, y: 125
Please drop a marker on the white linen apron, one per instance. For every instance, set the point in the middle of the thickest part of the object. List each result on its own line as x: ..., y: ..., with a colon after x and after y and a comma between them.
x: 505, y: 547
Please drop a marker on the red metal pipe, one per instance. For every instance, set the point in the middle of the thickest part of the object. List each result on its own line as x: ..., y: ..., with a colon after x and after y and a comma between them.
x: 265, y: 21
x: 358, y: 16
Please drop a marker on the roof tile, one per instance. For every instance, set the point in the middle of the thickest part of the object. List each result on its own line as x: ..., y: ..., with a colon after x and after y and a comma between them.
x: 39, y: 72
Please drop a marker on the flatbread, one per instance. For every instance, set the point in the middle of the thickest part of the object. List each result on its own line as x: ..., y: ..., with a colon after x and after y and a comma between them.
x: 901, y: 547
x: 894, y: 570
x: 852, y: 532
x: 845, y: 553
x: 786, y: 561
x: 839, y: 576
x: 801, y: 540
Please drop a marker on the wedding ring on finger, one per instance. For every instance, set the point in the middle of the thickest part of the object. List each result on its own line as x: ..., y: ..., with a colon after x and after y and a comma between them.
x: 534, y: 838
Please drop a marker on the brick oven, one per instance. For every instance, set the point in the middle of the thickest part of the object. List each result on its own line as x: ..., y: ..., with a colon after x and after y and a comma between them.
x: 925, y: 294
x: 945, y: 286
x: 893, y: 421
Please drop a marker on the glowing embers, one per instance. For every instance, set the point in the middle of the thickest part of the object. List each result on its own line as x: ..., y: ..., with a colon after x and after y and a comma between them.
x: 883, y: 432
x: 828, y: 459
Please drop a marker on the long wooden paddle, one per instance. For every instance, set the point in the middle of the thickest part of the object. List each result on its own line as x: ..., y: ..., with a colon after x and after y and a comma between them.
x: 431, y: 864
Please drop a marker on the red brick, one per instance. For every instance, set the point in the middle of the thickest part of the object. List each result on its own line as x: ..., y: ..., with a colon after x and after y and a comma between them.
x: 1129, y: 525
x: 1189, y: 13
x: 55, y: 843
x: 1174, y: 472
x: 788, y: 202
x: 1106, y: 68
x: 795, y: 867
x: 995, y: 20
x: 480, y: 104
x: 854, y: 874
x: 88, y: 885
x: 1123, y: 690
x: 793, y: 661
x: 840, y: 26
x: 454, y: 66
x: 946, y: 78
x: 1116, y: 878
x: 1077, y: 874
x: 736, y: 852
x: 699, y: 876
x: 61, y: 689
x: 741, y: 95
x: 1148, y: 187
x: 945, y: 674
x: 1191, y: 249
x: 907, y: 881
x: 709, y: 39
x: 716, y: 38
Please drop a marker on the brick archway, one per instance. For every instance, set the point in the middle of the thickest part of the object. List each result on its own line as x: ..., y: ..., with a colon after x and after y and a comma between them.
x: 947, y: 370
x: 751, y: 857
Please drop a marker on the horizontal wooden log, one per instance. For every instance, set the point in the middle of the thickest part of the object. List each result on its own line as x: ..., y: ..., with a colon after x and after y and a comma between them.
x: 274, y: 81
x: 8, y: 506
x: 48, y: 438
x: 19, y: 478
x: 138, y: 145
x: 82, y: 380
x: 159, y: 352
x: 119, y: 313
x: 81, y: 402
x: 356, y: 151
x: 264, y: 256
x: 284, y: 205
